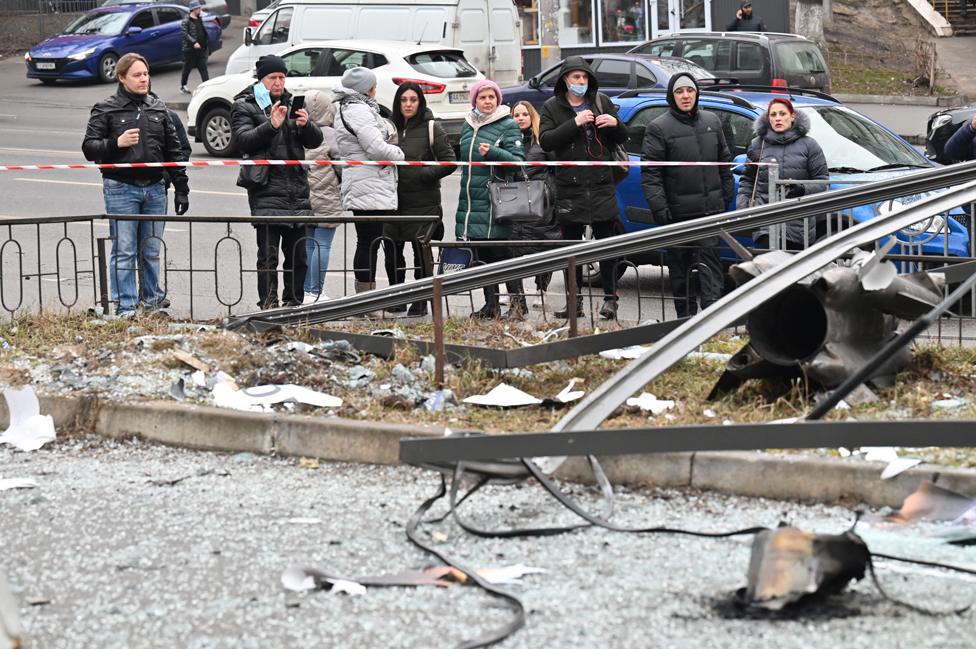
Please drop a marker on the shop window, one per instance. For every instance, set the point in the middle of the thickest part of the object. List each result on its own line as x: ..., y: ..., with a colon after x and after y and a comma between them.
x: 575, y: 22
x: 623, y: 21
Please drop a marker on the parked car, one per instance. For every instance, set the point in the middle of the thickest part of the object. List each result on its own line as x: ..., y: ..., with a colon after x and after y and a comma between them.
x: 90, y: 46
x: 857, y: 149
x: 489, y: 33
x: 766, y: 59
x: 216, y: 7
x: 941, y: 126
x: 258, y: 16
x: 614, y: 72
x: 443, y: 73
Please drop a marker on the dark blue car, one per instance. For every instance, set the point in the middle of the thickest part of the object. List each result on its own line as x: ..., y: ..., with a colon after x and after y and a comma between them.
x: 615, y: 73
x: 857, y: 148
x: 90, y: 47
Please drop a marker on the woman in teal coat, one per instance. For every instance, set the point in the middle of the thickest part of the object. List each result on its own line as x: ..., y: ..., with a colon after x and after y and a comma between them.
x: 489, y: 134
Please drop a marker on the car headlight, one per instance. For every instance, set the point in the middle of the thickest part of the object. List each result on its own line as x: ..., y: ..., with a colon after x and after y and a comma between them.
x: 82, y: 55
x: 27, y: 56
x: 941, y: 121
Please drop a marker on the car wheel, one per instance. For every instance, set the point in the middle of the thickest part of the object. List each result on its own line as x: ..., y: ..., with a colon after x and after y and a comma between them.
x: 217, y: 133
x: 106, y: 67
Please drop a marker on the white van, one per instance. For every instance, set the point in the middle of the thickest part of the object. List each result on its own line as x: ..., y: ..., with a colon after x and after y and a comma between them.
x: 488, y: 31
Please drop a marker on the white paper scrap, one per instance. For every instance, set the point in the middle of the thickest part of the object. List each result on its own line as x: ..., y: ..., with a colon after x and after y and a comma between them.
x: 503, y: 396
x: 17, y: 483
x: 347, y: 587
x: 199, y: 379
x: 889, y: 455
x: 508, y: 575
x: 297, y: 580
x: 649, y: 403
x: 260, y: 398
x: 29, y: 430
x: 629, y: 353
x: 568, y: 394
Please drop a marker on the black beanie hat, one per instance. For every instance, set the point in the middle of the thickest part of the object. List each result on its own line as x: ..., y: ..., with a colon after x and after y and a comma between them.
x: 270, y: 63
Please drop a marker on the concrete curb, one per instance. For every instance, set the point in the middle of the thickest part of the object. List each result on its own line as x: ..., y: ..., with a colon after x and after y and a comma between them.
x: 902, y: 100
x: 763, y: 475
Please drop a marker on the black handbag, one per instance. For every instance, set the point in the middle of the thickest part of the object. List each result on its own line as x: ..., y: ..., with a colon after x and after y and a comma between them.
x: 518, y: 201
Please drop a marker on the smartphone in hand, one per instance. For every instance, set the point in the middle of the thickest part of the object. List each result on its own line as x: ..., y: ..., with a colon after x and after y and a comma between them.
x: 297, y: 103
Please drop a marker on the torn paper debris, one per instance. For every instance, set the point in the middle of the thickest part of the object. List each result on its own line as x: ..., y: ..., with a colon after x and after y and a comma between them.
x: 626, y: 353
x: 11, y: 631
x: 17, y: 483
x: 300, y: 580
x: 260, y: 398
x: 503, y: 396
x: 508, y: 575
x: 568, y: 394
x: 888, y: 454
x: 649, y: 403
x: 29, y: 430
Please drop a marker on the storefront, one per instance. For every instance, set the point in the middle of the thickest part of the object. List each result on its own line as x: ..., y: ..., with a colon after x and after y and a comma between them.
x: 617, y: 25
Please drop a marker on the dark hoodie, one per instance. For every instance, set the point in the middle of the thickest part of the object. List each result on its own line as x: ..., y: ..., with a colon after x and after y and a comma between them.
x: 583, y: 194
x: 419, y: 188
x: 683, y: 193
x: 286, y: 190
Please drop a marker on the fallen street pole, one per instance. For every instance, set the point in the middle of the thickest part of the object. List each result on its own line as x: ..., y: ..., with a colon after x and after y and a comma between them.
x: 611, y: 248
x: 460, y: 447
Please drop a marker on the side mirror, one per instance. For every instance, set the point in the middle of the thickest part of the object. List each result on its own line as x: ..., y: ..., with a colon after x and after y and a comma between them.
x: 248, y: 38
x: 534, y: 83
x: 740, y: 160
x: 132, y: 31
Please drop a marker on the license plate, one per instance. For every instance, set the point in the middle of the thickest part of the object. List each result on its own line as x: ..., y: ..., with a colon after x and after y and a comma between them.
x: 45, y: 65
x: 459, y: 98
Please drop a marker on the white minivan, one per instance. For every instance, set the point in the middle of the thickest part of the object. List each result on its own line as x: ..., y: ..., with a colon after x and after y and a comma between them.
x: 487, y: 30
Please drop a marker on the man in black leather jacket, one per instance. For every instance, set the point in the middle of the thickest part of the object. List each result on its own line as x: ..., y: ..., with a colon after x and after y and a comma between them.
x: 195, y: 47
x: 134, y: 126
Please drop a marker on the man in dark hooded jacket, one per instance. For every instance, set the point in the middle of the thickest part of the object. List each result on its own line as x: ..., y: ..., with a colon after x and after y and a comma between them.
x: 262, y: 129
x: 579, y: 123
x: 745, y: 20
x: 686, y: 133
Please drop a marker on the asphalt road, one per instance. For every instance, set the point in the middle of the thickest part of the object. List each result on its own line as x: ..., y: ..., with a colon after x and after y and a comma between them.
x: 105, y: 554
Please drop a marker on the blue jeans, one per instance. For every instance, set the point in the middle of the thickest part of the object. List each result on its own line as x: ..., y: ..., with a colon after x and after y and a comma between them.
x: 135, y: 244
x: 317, y: 248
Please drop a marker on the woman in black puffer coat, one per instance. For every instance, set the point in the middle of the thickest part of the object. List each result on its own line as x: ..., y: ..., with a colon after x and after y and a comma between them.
x: 781, y: 137
x: 527, y: 118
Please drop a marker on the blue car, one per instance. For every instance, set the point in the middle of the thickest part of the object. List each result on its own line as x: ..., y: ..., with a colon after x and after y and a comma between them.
x: 857, y: 148
x: 90, y: 47
x: 616, y: 73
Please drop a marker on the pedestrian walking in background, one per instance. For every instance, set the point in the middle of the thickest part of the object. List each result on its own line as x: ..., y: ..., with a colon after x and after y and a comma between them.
x: 527, y: 118
x: 580, y: 123
x: 370, y: 190
x: 489, y: 134
x: 962, y: 145
x: 263, y: 129
x: 782, y: 138
x: 195, y: 46
x: 420, y: 137
x: 745, y: 20
x: 135, y: 126
x: 323, y: 184
x: 688, y: 134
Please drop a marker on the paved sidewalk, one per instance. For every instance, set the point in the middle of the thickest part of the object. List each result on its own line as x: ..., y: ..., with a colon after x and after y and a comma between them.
x: 956, y: 58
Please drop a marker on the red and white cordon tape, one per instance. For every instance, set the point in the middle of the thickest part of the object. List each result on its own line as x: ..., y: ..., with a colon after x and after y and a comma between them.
x: 371, y: 163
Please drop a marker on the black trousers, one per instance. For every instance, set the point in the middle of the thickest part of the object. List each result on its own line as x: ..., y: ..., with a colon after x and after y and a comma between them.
x: 290, y: 240
x: 696, y: 275
x: 396, y: 262
x: 608, y: 270
x: 367, y: 247
x: 491, y: 254
x: 194, y: 59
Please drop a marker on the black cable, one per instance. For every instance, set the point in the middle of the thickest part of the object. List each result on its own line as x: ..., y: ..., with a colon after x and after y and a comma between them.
x: 913, y: 607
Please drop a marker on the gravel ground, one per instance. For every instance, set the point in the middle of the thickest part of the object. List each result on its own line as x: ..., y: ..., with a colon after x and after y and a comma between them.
x: 99, y: 555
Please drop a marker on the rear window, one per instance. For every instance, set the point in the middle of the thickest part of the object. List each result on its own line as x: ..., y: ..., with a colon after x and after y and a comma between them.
x: 445, y: 65
x: 674, y: 66
x: 797, y: 57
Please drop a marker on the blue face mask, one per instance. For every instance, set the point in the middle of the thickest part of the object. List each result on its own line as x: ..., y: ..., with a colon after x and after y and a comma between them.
x: 477, y: 112
x: 262, y: 96
x: 578, y: 89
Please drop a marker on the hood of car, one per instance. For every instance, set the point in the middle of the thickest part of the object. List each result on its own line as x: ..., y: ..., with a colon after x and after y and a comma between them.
x: 63, y: 45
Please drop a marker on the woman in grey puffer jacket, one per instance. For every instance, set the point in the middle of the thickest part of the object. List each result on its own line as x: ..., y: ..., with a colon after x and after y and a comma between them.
x: 781, y: 138
x: 361, y: 134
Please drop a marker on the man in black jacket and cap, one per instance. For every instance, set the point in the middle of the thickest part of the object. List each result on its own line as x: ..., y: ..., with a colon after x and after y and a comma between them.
x: 681, y: 193
x: 262, y: 129
x: 745, y: 20
x: 193, y: 34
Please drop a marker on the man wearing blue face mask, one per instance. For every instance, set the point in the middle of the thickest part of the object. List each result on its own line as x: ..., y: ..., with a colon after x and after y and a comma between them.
x: 579, y: 123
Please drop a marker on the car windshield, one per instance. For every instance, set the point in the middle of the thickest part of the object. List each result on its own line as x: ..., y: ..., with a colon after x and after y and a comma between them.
x: 850, y: 141
x: 674, y: 66
x: 107, y: 24
x: 445, y: 65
